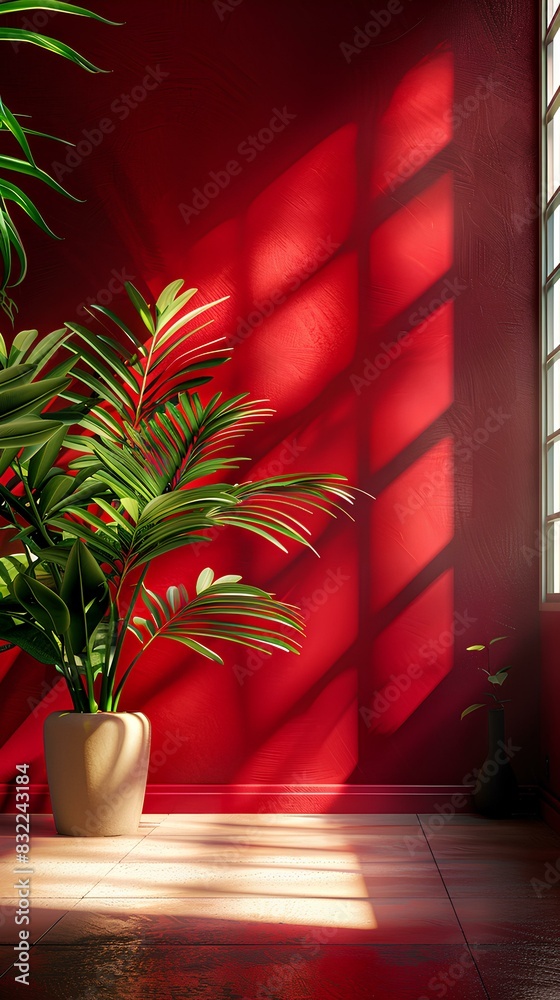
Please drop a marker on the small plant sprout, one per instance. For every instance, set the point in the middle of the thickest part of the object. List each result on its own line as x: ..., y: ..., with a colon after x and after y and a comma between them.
x: 496, y: 679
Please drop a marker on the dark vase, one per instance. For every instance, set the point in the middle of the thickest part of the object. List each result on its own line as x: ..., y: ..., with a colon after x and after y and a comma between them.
x: 496, y: 793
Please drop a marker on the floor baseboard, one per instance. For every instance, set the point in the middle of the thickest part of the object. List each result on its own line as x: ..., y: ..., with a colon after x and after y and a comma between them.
x: 444, y: 800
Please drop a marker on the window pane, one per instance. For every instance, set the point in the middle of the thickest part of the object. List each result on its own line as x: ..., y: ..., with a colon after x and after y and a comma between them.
x: 553, y: 478
x: 553, y: 558
x: 552, y: 67
x: 553, y: 155
x: 553, y: 241
x: 553, y: 397
x: 553, y: 317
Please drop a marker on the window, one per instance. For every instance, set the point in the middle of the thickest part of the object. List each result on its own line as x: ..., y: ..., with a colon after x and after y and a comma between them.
x: 550, y: 325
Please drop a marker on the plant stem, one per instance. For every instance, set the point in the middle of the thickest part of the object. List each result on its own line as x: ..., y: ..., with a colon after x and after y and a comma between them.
x: 79, y: 697
x: 111, y: 626
x: 121, y: 637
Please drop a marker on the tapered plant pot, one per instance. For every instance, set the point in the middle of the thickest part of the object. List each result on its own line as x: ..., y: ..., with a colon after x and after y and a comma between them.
x: 97, y: 766
x: 496, y: 793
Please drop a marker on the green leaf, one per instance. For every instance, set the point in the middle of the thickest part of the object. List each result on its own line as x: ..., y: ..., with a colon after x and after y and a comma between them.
x: 10, y: 566
x: 46, y: 607
x: 86, y: 593
x: 43, y: 460
x: 469, y: 648
x: 183, y: 320
x: 22, y: 341
x: 196, y: 647
x: 15, y: 6
x: 7, y: 456
x: 471, y: 708
x: 204, y: 580
x: 54, y: 490
x: 12, y: 125
x: 499, y: 677
x: 20, y: 433
x: 15, y: 375
x: 141, y: 306
x: 31, y: 639
x: 174, y: 305
x: 47, y: 346
x: 14, y: 240
x: 50, y: 44
x: 132, y: 507
x: 155, y: 605
x: 173, y: 597
x: 78, y: 498
x: 24, y: 167
x: 21, y: 399
x: 15, y: 194
x: 117, y: 321
x: 498, y: 639
x: 168, y: 294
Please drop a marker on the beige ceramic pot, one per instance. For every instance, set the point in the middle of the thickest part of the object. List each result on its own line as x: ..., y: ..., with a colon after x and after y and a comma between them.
x: 97, y: 766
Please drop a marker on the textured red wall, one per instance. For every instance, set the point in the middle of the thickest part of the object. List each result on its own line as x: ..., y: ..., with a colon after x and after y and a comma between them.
x: 550, y: 700
x: 376, y: 243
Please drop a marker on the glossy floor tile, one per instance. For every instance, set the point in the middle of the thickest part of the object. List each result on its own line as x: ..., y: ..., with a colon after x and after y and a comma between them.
x: 61, y: 877
x: 386, y: 879
x: 256, y: 920
x: 520, y: 973
x: 502, y: 879
x: 286, y: 907
x: 309, y: 971
x: 523, y: 921
x: 44, y: 916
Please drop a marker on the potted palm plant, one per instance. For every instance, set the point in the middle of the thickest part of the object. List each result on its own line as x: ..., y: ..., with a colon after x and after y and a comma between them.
x: 136, y: 464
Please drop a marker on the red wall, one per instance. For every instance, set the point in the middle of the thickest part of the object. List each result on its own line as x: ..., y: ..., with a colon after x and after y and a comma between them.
x: 378, y: 250
x: 550, y: 697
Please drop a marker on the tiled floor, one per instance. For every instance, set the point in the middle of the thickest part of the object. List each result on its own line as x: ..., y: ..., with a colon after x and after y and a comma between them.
x: 279, y: 907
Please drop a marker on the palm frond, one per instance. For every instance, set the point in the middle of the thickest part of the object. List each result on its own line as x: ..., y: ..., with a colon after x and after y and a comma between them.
x: 177, y: 446
x: 13, y: 258
x: 134, y: 381
x: 222, y: 609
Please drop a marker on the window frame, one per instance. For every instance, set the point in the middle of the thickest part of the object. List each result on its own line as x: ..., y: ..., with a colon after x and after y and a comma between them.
x: 550, y: 518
